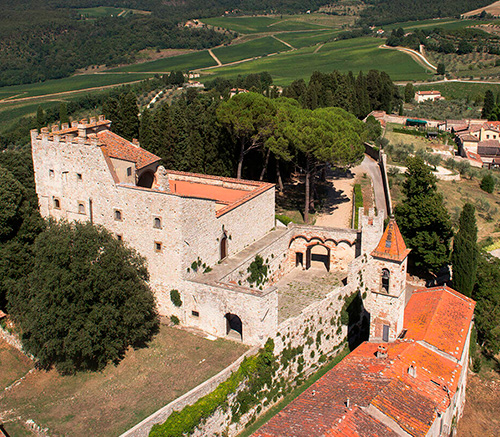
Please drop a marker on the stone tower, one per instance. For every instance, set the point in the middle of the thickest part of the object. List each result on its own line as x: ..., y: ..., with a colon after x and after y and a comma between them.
x: 387, y: 285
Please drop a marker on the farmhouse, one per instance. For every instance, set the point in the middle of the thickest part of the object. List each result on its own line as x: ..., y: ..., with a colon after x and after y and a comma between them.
x: 480, y: 141
x: 422, y: 96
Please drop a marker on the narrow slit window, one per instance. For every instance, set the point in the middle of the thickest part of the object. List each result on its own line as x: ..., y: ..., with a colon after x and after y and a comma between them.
x: 157, y: 223
x: 129, y: 171
x: 118, y: 215
x: 57, y: 203
x: 158, y: 246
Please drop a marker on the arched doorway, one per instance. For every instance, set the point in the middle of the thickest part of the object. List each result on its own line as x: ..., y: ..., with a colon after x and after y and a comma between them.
x: 318, y: 255
x: 223, y: 247
x: 234, y: 326
x: 146, y: 179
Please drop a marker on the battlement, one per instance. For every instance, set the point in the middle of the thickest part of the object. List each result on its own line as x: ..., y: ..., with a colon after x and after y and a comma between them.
x: 72, y: 132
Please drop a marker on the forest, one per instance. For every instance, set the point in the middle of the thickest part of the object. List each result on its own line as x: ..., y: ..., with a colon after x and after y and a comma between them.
x: 41, y: 41
x: 381, y: 12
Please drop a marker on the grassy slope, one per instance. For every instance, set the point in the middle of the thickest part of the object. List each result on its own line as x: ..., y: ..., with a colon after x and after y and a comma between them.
x: 460, y: 90
x: 306, y: 39
x: 250, y: 49
x: 189, y: 61
x: 354, y: 54
x: 110, y: 402
x: 242, y: 24
x: 68, y: 84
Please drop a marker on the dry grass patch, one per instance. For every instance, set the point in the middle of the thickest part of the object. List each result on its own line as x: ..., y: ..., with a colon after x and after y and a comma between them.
x: 13, y: 365
x: 110, y: 402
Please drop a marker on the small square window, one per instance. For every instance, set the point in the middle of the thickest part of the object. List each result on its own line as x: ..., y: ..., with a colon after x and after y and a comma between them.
x: 78, y: 176
x: 129, y: 171
x: 157, y: 223
x: 81, y: 208
x: 119, y: 237
x: 51, y: 173
x: 195, y: 313
x: 157, y: 246
x: 118, y: 215
x: 57, y: 203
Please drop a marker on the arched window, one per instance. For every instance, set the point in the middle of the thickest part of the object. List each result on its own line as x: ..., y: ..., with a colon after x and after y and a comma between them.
x: 386, y: 275
x: 118, y: 215
x: 81, y: 208
x: 157, y: 223
x: 57, y: 203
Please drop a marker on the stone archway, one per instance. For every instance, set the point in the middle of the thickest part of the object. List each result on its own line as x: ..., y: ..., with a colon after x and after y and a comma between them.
x: 146, y: 179
x: 234, y: 326
x: 318, y: 255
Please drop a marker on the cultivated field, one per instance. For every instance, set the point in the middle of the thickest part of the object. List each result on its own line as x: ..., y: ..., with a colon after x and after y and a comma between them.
x: 257, y: 47
x: 493, y: 9
x: 462, y: 90
x: 306, y: 39
x: 189, y: 61
x: 112, y: 401
x: 359, y: 54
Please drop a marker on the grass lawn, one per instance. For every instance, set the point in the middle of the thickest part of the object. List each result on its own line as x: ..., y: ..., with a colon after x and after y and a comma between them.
x: 243, y: 24
x: 443, y: 23
x: 100, y: 11
x: 69, y: 84
x: 189, y: 61
x: 14, y: 365
x: 110, y: 402
x: 461, y: 90
x: 250, y: 49
x: 348, y: 55
x: 306, y: 39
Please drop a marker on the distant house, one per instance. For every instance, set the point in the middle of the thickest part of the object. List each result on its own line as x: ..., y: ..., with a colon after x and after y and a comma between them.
x: 380, y: 32
x: 193, y: 24
x: 422, y: 96
x: 235, y: 91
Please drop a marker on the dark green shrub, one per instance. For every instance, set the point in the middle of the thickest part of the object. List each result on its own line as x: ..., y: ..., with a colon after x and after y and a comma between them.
x: 174, y: 319
x: 488, y: 183
x: 284, y: 219
x: 258, y: 271
x: 175, y: 297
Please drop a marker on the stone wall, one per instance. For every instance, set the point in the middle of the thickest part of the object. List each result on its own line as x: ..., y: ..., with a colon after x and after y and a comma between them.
x: 385, y: 180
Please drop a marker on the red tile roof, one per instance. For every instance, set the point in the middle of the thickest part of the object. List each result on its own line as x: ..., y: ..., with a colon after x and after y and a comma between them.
x: 428, y: 93
x: 363, y: 393
x: 474, y: 156
x: 391, y: 245
x: 117, y: 147
x: 439, y: 316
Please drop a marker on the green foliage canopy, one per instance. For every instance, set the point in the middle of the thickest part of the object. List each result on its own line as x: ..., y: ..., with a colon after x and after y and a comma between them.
x: 423, y: 218
x: 85, y: 300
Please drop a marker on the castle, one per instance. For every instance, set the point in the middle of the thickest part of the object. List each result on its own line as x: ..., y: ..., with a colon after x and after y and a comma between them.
x: 202, y: 234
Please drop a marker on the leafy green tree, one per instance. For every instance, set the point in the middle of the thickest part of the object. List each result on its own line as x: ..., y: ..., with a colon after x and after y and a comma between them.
x: 374, y: 130
x: 409, y: 92
x: 423, y: 218
x: 487, y: 296
x: 441, y: 69
x: 464, y: 257
x: 489, y: 105
x: 488, y: 183
x: 85, y: 300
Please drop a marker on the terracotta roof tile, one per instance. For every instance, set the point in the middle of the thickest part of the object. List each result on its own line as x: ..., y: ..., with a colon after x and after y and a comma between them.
x: 391, y: 245
x: 440, y: 316
x: 119, y: 148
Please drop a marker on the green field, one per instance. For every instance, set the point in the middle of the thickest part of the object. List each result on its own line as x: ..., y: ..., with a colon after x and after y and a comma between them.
x: 306, y: 39
x: 250, y: 49
x: 444, y: 23
x: 69, y: 84
x: 190, y: 61
x: 359, y: 54
x: 249, y: 25
x: 100, y: 11
x: 459, y: 90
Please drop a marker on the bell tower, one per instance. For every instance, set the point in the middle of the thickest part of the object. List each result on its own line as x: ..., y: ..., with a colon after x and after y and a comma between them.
x: 387, y: 285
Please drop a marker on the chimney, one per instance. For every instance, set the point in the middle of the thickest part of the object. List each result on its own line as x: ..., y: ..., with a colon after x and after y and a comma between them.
x: 135, y: 142
x: 381, y: 352
x: 412, y: 370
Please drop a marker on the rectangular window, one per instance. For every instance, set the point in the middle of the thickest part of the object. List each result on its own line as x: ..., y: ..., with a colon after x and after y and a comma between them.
x: 195, y: 313
x: 129, y: 171
x: 157, y: 246
x: 51, y: 173
x: 118, y: 215
x: 385, y: 333
x: 119, y: 237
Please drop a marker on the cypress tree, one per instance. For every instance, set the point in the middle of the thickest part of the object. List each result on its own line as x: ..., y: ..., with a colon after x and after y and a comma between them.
x: 489, y: 104
x: 465, y: 253
x: 146, y: 133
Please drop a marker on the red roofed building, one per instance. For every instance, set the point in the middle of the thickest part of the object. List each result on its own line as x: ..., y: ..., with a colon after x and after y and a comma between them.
x: 413, y: 386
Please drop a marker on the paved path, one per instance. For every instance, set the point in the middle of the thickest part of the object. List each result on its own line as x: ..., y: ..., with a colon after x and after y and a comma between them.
x: 373, y: 169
